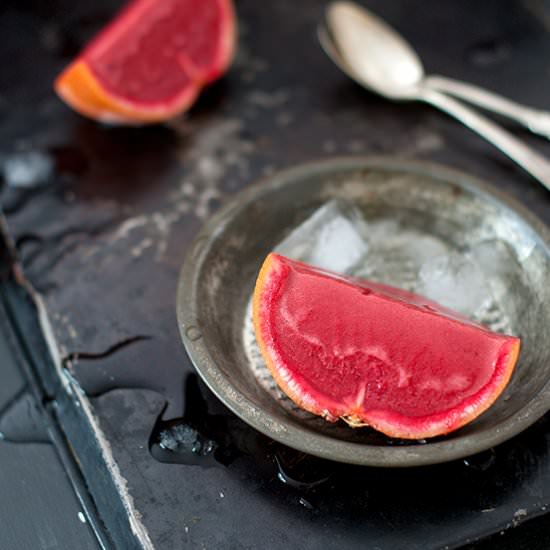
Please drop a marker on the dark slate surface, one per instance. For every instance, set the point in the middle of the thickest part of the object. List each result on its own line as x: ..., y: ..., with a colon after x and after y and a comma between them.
x: 104, y: 235
x: 39, y: 509
x: 12, y: 381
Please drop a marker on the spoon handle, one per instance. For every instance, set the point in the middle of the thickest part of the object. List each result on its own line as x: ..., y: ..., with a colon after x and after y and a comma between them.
x: 536, y: 120
x: 527, y: 158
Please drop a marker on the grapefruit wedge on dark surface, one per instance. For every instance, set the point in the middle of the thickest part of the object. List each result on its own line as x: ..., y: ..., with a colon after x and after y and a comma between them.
x: 345, y: 348
x: 150, y: 63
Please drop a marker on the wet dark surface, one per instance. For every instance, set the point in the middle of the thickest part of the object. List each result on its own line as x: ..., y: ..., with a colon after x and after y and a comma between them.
x: 38, y: 507
x: 103, y: 227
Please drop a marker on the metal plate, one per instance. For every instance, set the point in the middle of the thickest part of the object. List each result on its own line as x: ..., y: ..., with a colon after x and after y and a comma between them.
x: 219, y: 273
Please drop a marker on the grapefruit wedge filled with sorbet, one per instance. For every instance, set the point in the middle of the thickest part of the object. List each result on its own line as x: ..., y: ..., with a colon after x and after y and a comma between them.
x: 374, y: 355
x: 150, y: 63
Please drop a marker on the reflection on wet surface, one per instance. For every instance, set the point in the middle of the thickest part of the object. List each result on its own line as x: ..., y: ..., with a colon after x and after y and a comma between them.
x: 22, y: 422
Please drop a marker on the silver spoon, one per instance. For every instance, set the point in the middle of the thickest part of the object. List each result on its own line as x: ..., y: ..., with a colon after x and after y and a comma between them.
x: 374, y: 55
x: 536, y: 120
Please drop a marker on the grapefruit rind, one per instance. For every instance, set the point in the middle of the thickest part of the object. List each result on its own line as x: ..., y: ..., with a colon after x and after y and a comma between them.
x: 388, y: 422
x: 82, y: 90
x: 78, y: 87
x: 396, y: 425
x: 229, y: 40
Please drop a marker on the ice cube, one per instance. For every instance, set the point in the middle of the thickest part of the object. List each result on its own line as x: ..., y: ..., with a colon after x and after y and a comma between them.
x: 396, y: 253
x: 333, y: 238
x: 455, y: 281
x: 183, y: 438
x: 387, y: 235
x: 495, y: 257
x: 500, y: 266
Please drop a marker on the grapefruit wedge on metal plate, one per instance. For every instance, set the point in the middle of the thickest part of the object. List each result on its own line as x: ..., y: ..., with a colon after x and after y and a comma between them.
x: 370, y: 354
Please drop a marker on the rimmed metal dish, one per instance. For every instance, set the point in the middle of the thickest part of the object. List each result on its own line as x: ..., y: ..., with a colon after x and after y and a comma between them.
x: 456, y: 209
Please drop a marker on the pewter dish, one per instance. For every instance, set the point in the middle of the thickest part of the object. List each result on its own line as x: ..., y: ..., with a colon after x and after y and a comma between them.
x: 444, y: 206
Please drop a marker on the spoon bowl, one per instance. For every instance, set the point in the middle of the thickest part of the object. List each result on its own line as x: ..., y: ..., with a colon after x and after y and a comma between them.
x: 378, y: 56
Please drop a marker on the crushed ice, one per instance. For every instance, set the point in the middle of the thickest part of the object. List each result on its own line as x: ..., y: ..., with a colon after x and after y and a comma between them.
x: 182, y: 437
x: 456, y: 282
x: 337, y: 237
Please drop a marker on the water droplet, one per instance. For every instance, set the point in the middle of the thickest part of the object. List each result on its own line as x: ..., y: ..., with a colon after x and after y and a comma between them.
x: 300, y: 470
x: 482, y: 461
x: 306, y: 504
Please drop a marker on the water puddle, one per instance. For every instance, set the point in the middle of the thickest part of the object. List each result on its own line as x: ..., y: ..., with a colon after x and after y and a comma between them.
x: 300, y: 470
x: 99, y: 380
x: 28, y: 172
x: 482, y: 461
x: 22, y: 422
x: 201, y: 437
